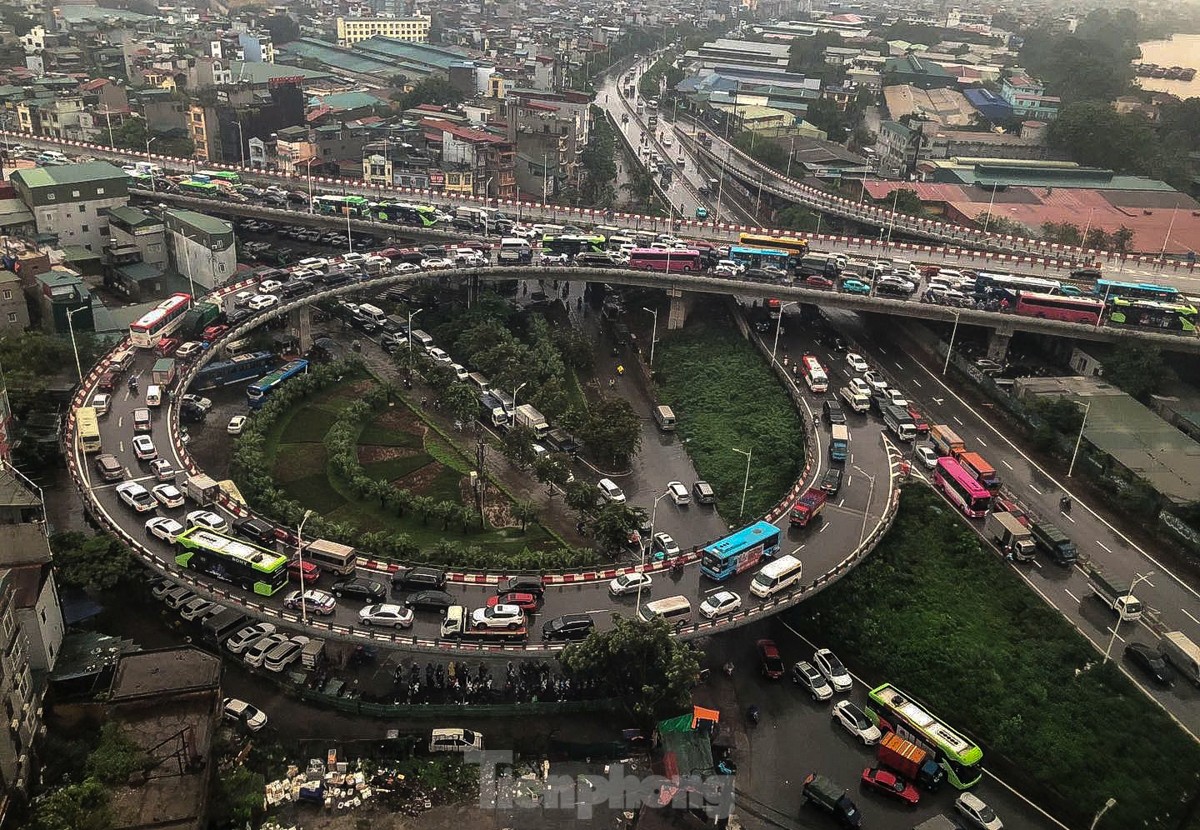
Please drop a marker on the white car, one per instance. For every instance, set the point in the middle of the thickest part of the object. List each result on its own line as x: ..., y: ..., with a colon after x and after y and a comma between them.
x: 164, y: 528
x: 679, y: 493
x: 397, y: 616
x: 856, y: 363
x: 498, y: 616
x: 405, y: 268
x: 895, y: 397
x: 316, y: 601
x: 189, y: 349
x: 854, y: 721
x: 269, y: 287
x: 162, y: 470
x: 257, y: 652
x: 207, y: 519
x: 236, y: 424
x: 143, y: 448
x: 136, y: 496
x: 830, y: 666
x: 860, y: 387
x: 438, y: 355
x: 168, y: 495
x: 628, y: 584
x: 248, y: 636
x: 460, y: 371
x: 719, y: 604
x: 436, y: 263
x: 284, y: 654
x: 977, y: 812
x: 664, y: 544
x: 727, y: 268
x: 875, y: 381
x: 555, y: 259
x: 610, y: 491
x: 314, y: 262
x: 806, y: 676
x: 195, y: 608
x: 198, y: 400
x: 239, y: 711
x: 262, y: 302
x: 102, y: 403
x: 927, y: 456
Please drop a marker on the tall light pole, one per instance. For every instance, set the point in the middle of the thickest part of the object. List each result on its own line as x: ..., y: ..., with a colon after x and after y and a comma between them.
x: 778, y: 326
x: 892, y: 223
x: 411, y: 315
x: 516, y: 392
x: 149, y: 165
x: 1116, y: 625
x: 71, y: 326
x: 950, y: 348
x: 1108, y: 805
x: 746, y: 482
x: 1079, y: 438
x: 862, y: 534
x: 646, y: 546
x: 653, y: 333
x: 300, y: 560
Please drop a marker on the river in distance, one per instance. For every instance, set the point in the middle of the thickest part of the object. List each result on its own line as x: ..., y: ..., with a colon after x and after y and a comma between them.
x: 1180, y: 50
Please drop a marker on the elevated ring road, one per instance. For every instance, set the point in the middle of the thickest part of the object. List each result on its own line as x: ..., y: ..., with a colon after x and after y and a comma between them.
x: 827, y: 555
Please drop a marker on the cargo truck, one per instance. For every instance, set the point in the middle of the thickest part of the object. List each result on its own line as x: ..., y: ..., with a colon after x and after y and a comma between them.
x: 858, y: 401
x: 899, y: 422
x: 1051, y: 539
x: 946, y: 441
x: 527, y: 416
x: 1181, y: 653
x: 456, y: 626
x: 202, y: 490
x: 163, y: 373
x: 1008, y: 534
x: 839, y: 442
x: 313, y: 654
x: 1115, y: 594
x: 808, y: 506
x: 827, y: 795
x: 221, y: 626
x: 911, y: 761
x: 492, y: 412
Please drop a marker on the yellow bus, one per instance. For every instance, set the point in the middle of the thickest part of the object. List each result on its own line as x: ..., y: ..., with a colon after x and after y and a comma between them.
x: 793, y: 245
x: 88, y: 426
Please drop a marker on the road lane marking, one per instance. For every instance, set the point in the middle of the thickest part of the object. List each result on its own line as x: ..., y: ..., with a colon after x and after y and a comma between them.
x: 1072, y: 596
x: 1106, y: 547
x: 797, y: 550
x: 824, y: 527
x: 843, y: 501
x: 957, y: 421
x: 1006, y: 464
x: 898, y: 366
x: 1036, y: 564
x: 849, y: 479
x: 1113, y: 632
x: 1190, y: 617
x: 1067, y: 516
x: 982, y: 443
x: 1034, y: 489
x: 916, y: 383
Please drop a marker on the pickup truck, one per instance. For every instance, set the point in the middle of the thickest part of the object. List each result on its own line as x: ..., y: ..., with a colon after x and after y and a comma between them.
x: 808, y: 506
x: 1115, y: 594
x: 456, y: 626
x: 857, y: 401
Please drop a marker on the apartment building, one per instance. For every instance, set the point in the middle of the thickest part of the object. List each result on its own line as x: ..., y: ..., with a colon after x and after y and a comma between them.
x: 351, y: 30
x: 1028, y: 99
x: 202, y: 247
x: 71, y: 202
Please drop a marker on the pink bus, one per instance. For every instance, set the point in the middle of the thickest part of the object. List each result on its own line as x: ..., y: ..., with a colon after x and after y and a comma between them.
x: 967, y: 494
x: 659, y: 259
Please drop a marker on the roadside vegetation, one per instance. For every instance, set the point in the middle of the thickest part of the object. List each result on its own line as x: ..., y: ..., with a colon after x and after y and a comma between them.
x: 940, y: 616
x: 725, y: 397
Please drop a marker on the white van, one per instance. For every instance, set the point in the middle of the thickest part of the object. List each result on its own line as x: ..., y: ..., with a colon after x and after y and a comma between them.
x: 421, y: 338
x: 665, y: 416
x: 514, y: 250
x: 455, y: 740
x: 154, y: 395
x: 480, y: 382
x: 777, y: 576
x: 238, y: 347
x: 672, y: 609
x: 372, y: 314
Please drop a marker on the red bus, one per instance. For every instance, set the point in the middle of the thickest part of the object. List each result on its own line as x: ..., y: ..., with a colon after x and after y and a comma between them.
x: 814, y: 374
x: 967, y: 494
x: 159, y: 322
x: 980, y: 470
x: 1059, y: 307
x: 658, y: 259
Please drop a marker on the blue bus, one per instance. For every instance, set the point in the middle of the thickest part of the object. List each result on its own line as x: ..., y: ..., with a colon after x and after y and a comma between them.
x: 224, y: 372
x: 1111, y: 289
x: 258, y: 392
x: 740, y: 552
x: 758, y: 257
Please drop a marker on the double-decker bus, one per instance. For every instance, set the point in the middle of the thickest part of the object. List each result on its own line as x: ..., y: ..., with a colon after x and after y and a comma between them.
x: 258, y: 392
x: 341, y: 205
x: 195, y: 187
x: 87, y: 427
x: 740, y: 552
x: 1110, y: 290
x: 814, y: 374
x: 159, y: 322
x: 657, y: 259
x: 976, y: 467
x: 759, y: 257
x: 1156, y: 314
x: 224, y: 372
x: 967, y: 494
x: 573, y: 244
x: 232, y: 560
x: 222, y: 175
x: 1059, y: 307
x: 793, y: 245
x: 894, y: 711
x: 1007, y: 286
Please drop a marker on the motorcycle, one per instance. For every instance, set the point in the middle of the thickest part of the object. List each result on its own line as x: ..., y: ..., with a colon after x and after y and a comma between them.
x: 752, y: 715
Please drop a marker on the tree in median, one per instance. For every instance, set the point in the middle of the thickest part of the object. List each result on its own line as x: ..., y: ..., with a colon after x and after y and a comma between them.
x: 614, y: 523
x: 518, y: 446
x: 640, y: 664
x: 461, y: 402
x: 611, y: 430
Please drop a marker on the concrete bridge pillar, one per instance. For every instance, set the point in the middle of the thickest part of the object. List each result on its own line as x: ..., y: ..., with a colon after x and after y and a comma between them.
x: 300, y: 327
x: 677, y: 312
x: 998, y: 342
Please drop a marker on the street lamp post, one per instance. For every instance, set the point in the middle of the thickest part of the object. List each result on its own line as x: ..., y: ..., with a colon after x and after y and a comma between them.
x: 516, y: 392
x: 653, y: 333
x: 1108, y: 805
x: 646, y: 545
x: 149, y: 166
x: 1079, y: 438
x: 411, y: 315
x: 950, y: 348
x: 862, y: 534
x: 71, y: 326
x: 746, y: 482
x: 1117, y: 624
x: 300, y: 561
x: 778, y: 326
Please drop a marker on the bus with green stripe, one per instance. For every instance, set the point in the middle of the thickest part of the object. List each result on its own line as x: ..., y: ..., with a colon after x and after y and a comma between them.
x: 894, y: 711
x: 1153, y: 314
x: 341, y: 205
x: 222, y: 175
x: 231, y: 560
x: 194, y: 187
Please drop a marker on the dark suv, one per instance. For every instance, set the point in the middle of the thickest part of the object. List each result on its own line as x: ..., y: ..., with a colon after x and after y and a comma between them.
x: 834, y: 412
x: 568, y: 627
x: 256, y: 530
x: 418, y: 579
x: 831, y: 482
x: 522, y: 585
x: 367, y: 590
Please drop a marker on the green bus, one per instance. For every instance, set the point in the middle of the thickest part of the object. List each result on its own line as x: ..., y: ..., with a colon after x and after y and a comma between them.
x: 195, y: 188
x: 1154, y: 314
x: 252, y: 568
x: 222, y: 175
x: 341, y: 205
x: 573, y: 244
x: 894, y: 711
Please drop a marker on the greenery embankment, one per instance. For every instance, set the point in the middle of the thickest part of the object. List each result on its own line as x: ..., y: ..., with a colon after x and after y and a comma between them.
x: 944, y: 619
x: 725, y: 396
